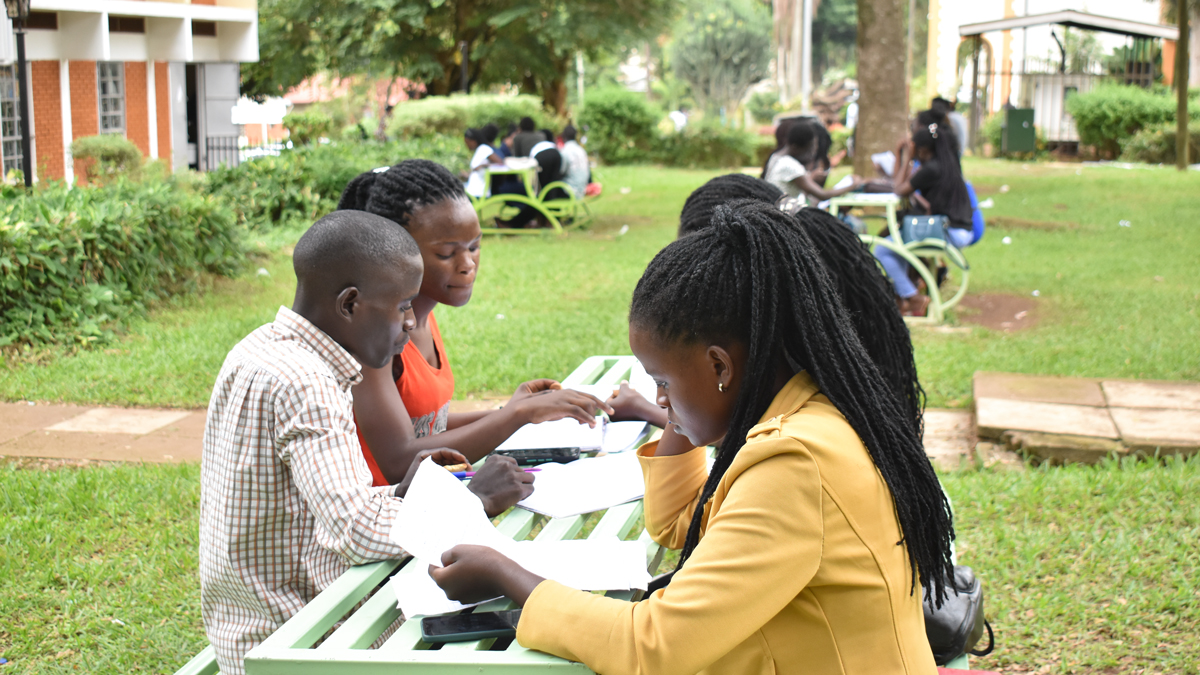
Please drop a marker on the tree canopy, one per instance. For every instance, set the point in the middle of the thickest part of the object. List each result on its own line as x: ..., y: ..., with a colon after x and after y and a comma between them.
x: 720, y: 49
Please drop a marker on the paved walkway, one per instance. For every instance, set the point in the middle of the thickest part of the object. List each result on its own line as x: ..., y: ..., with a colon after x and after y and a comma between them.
x: 70, y: 432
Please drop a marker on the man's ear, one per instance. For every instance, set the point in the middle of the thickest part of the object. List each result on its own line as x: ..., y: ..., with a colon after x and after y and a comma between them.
x: 346, y: 303
x: 722, y: 366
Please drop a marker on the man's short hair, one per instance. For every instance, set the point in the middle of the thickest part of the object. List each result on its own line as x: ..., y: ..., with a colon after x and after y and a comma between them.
x: 527, y: 124
x: 347, y: 248
x: 568, y: 133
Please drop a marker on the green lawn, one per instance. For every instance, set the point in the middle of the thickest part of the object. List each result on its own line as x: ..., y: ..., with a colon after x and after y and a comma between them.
x: 1114, y: 301
x: 1086, y: 569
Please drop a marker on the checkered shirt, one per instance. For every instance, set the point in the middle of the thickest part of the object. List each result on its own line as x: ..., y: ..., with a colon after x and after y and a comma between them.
x: 286, y: 503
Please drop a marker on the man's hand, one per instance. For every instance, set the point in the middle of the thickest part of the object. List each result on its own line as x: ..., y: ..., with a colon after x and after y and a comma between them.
x: 500, y: 484
x: 477, y: 573
x: 441, y: 457
x: 549, y: 405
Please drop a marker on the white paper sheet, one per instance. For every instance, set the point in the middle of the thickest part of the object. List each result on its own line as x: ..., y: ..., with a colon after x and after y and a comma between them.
x: 586, y: 485
x: 439, y: 512
x: 622, y: 436
x: 565, y: 433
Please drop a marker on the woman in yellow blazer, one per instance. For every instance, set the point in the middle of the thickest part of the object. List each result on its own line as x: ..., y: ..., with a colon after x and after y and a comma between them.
x: 822, y: 520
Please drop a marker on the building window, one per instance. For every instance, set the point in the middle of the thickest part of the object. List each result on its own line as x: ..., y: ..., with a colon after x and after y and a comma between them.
x: 204, y: 28
x: 126, y: 24
x: 10, y: 120
x: 111, y: 77
x: 42, y: 20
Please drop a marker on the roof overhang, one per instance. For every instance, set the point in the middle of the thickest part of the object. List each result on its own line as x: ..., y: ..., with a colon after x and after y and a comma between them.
x: 1074, y: 19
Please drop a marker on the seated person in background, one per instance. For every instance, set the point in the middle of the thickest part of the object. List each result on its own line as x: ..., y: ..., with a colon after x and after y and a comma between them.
x: 785, y: 169
x: 943, y: 193
x: 953, y: 119
x: 403, y: 406
x: 578, y: 170
x: 550, y: 169
x: 504, y: 149
x: 781, y: 132
x: 503, y: 183
x: 526, y: 138
x: 807, y: 547
x: 286, y: 501
x: 482, y: 156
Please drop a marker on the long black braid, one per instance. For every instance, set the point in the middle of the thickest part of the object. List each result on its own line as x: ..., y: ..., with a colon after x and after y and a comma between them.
x: 395, y: 192
x: 755, y: 278
x: 863, y: 288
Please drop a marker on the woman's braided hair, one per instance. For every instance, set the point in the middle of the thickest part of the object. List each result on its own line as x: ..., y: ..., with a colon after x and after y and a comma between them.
x: 754, y: 277
x: 394, y: 193
x: 863, y: 288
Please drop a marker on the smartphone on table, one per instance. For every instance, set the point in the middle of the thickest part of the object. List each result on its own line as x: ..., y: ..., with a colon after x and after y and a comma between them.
x: 469, y: 627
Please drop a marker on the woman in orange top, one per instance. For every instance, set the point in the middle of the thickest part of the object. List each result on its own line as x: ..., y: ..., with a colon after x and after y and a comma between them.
x: 403, y: 409
x: 806, y: 546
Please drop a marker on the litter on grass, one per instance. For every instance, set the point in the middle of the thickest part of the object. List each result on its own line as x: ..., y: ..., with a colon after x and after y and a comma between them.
x: 499, y: 317
x: 262, y: 272
x: 1004, y: 188
x: 1006, y: 240
x: 623, y: 230
x: 1036, y: 293
x: 626, y: 190
x: 1125, y: 223
x: 987, y: 203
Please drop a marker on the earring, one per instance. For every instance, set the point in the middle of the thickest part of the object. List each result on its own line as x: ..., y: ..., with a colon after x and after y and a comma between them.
x: 721, y: 387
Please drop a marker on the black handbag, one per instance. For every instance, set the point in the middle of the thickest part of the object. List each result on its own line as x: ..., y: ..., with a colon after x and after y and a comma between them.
x: 957, y: 626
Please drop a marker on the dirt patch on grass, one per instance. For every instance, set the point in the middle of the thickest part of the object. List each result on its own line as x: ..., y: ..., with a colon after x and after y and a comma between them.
x: 999, y: 311
x: 1010, y: 223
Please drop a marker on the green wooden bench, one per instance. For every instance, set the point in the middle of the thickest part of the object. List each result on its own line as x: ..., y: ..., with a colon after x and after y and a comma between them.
x: 912, y: 252
x: 562, y: 214
x: 293, y: 649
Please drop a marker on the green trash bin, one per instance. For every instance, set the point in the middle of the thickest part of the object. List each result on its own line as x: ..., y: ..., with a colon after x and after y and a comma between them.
x: 1019, y: 134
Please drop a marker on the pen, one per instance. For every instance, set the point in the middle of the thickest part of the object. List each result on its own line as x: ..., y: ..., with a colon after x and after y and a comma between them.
x: 463, y: 475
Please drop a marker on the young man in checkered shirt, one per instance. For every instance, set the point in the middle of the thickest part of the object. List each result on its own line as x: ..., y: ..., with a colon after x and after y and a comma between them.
x: 286, y: 502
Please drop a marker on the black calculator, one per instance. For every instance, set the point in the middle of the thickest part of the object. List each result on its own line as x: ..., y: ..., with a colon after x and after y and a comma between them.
x: 535, y: 456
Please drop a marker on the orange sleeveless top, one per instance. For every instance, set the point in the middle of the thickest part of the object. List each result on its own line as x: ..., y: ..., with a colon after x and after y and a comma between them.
x: 426, y: 392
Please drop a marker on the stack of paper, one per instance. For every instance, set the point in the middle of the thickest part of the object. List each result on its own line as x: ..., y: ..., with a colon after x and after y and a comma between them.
x: 586, y: 485
x: 439, y: 512
x: 564, y: 433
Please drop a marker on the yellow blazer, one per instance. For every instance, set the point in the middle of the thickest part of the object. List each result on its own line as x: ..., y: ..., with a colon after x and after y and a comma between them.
x: 799, y: 569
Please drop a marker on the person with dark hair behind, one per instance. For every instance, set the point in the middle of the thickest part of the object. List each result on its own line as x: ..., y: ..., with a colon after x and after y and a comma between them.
x: 781, y: 132
x: 953, y: 119
x: 504, y: 149
x: 550, y: 169
x: 578, y: 171
x: 864, y: 290
x: 943, y: 192
x: 808, y: 545
x: 482, y: 156
x: 403, y: 407
x: 528, y: 137
x: 786, y: 168
x: 286, y: 501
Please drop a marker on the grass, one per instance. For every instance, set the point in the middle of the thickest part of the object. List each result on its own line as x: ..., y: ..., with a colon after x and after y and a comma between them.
x: 1113, y: 301
x: 1086, y: 569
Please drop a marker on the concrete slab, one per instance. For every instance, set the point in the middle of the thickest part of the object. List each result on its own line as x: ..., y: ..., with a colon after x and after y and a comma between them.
x: 70, y: 445
x: 18, y: 419
x: 1063, y: 448
x: 1039, y: 388
x: 120, y: 420
x: 181, y: 441
x: 949, y: 432
x: 994, y: 416
x: 1166, y: 432
x: 1164, y: 395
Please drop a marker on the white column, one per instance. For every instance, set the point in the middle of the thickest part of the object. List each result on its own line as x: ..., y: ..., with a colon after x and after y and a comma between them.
x: 152, y: 109
x: 64, y: 87
x: 32, y: 129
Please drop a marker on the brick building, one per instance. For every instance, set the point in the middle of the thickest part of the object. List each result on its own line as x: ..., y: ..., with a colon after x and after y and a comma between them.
x: 162, y: 73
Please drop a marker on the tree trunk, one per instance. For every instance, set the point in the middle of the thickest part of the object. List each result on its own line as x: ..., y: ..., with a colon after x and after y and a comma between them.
x: 882, y: 103
x: 554, y: 95
x: 1181, y: 87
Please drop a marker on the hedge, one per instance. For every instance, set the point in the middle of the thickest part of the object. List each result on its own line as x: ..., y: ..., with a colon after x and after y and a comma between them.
x: 452, y: 115
x: 303, y: 184
x: 72, y: 261
x: 1108, y: 116
x: 1157, y: 145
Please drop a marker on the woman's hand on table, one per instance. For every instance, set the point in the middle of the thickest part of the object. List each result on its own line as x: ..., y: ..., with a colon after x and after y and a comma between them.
x: 527, y: 389
x: 476, y: 573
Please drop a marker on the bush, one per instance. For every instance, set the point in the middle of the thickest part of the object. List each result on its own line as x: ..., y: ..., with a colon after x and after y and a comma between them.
x: 763, y: 106
x: 305, y: 183
x: 621, y: 126
x: 76, y: 260
x: 708, y: 146
x: 1108, y: 116
x: 1157, y: 145
x: 308, y: 126
x: 106, y: 157
x: 452, y: 115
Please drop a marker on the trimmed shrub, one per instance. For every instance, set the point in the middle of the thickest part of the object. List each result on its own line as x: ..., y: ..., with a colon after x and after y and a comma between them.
x: 306, y: 127
x: 74, y: 261
x: 708, y: 146
x: 1157, y: 145
x: 1108, y: 116
x: 452, y: 115
x: 106, y: 157
x: 621, y: 126
x: 303, y: 184
x: 763, y: 106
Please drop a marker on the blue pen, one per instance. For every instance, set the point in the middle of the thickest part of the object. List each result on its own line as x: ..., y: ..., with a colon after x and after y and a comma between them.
x: 464, y: 475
